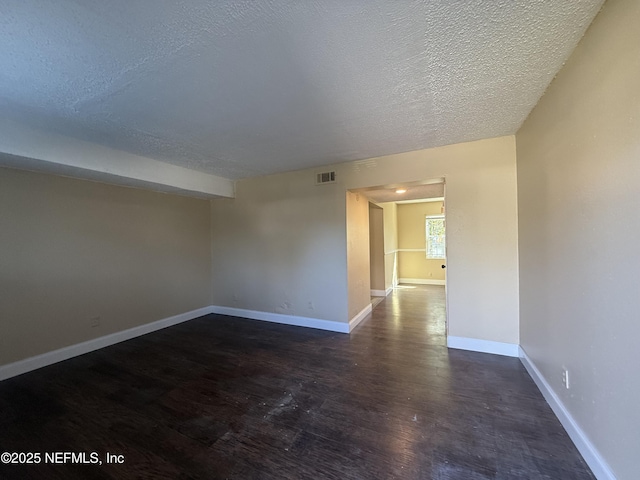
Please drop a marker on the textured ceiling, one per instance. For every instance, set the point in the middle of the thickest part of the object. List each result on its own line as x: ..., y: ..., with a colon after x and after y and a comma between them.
x: 247, y: 88
x: 413, y: 192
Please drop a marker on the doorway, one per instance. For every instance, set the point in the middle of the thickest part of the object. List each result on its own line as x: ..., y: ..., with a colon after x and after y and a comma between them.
x: 422, y: 242
x: 410, y: 254
x: 376, y: 254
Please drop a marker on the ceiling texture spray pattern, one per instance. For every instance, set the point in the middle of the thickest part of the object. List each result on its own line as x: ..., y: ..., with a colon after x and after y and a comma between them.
x: 246, y: 88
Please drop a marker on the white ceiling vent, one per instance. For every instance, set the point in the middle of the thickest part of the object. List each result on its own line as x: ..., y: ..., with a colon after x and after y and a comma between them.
x: 325, y: 177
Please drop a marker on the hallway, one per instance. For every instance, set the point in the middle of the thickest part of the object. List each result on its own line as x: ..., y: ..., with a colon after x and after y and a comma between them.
x: 416, y: 310
x: 219, y: 397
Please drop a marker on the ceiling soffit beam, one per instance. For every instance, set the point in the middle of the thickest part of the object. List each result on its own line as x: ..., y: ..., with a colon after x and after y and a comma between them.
x: 27, y: 148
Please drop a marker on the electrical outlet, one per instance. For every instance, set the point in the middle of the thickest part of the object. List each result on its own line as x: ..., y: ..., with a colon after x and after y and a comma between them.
x: 565, y: 378
x: 95, y: 322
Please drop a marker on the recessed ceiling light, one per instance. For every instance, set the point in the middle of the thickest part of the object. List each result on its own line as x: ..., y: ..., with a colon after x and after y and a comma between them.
x: 401, y: 190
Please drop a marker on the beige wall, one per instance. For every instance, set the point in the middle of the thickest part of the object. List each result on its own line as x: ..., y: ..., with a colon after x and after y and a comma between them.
x: 412, y: 236
x: 390, y: 220
x: 282, y: 241
x: 280, y: 247
x: 482, y: 270
x: 578, y: 178
x: 72, y: 250
x: 376, y: 247
x: 358, y: 273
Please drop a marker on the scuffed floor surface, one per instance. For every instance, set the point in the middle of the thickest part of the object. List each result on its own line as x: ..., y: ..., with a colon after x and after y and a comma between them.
x: 220, y: 397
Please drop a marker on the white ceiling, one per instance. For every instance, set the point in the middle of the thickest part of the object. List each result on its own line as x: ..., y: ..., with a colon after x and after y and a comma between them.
x: 246, y: 88
x: 414, y: 191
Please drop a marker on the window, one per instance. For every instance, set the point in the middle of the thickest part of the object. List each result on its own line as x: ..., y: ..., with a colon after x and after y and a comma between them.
x: 435, y: 236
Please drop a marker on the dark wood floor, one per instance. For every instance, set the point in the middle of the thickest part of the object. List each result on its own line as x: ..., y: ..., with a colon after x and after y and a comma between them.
x: 219, y: 397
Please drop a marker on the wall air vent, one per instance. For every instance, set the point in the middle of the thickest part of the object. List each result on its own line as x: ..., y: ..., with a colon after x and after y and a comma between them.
x: 325, y: 177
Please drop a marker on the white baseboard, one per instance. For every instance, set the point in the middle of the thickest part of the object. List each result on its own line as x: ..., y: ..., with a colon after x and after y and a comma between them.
x: 598, y: 465
x: 49, y: 358
x: 381, y: 293
x: 330, y: 325
x: 353, y: 323
x: 483, y: 346
x: 421, y: 281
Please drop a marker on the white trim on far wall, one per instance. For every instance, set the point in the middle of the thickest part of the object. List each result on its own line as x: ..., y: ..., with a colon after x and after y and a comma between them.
x: 483, y: 346
x: 589, y: 452
x: 379, y: 293
x: 422, y: 281
x: 333, y: 326
x: 55, y: 356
